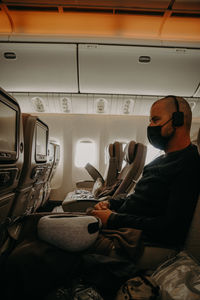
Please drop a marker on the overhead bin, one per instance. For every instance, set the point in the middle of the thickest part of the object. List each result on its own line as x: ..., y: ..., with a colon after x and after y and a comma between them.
x: 138, y: 70
x: 34, y: 67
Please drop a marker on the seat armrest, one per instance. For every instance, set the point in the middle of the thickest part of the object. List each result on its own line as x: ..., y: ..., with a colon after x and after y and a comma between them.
x: 85, y: 184
x: 78, y: 205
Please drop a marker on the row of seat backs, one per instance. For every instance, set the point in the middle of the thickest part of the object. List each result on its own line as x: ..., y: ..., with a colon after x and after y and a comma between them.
x: 22, y: 180
x: 10, y: 168
x: 134, y: 157
x: 29, y: 193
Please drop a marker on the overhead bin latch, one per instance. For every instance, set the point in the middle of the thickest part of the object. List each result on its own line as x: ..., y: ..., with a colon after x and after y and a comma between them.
x: 144, y: 59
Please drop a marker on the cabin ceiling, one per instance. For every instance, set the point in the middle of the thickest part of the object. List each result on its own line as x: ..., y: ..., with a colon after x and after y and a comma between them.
x: 175, y: 20
x: 113, y: 4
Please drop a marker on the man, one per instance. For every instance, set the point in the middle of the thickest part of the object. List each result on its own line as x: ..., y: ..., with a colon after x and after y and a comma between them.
x: 161, y: 205
x: 164, y: 199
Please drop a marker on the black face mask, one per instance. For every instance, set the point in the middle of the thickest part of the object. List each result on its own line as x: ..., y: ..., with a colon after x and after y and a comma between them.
x: 155, y: 137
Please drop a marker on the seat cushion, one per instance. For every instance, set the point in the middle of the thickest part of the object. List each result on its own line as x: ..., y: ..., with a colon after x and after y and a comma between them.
x: 153, y: 256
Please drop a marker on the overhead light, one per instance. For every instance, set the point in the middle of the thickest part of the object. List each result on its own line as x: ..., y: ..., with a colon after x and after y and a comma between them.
x: 101, y: 105
x: 66, y: 105
x: 128, y: 106
x: 38, y: 104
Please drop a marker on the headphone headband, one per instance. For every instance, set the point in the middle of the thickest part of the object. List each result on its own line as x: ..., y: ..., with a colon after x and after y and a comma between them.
x: 177, y: 116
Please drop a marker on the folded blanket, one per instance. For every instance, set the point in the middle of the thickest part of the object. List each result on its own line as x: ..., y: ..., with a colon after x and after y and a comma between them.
x: 125, y: 242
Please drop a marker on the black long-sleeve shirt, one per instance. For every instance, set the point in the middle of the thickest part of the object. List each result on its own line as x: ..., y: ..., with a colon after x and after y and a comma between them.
x: 164, y: 199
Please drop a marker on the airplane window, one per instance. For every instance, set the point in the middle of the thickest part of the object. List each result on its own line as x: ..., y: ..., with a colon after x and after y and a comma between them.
x: 85, y: 153
x: 152, y: 153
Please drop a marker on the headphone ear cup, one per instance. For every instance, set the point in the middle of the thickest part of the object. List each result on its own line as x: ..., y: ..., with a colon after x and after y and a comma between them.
x: 177, y: 118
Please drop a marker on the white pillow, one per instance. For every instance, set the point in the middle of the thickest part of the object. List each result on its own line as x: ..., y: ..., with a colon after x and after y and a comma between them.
x: 69, y: 232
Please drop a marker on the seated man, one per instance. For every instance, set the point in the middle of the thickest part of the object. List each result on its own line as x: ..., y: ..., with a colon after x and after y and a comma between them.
x: 161, y: 206
x: 164, y: 199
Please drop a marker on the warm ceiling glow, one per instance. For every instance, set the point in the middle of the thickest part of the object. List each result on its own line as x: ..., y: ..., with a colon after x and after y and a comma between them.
x: 99, y: 25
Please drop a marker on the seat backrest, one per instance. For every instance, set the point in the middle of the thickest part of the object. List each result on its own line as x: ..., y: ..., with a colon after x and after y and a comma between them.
x: 50, y: 161
x: 115, y: 163
x: 135, y: 154
x: 192, y: 244
x: 11, y: 152
x: 113, y: 168
x: 53, y: 160
x: 29, y: 195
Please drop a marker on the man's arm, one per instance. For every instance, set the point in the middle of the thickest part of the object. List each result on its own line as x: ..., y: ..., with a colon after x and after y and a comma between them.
x: 178, y: 211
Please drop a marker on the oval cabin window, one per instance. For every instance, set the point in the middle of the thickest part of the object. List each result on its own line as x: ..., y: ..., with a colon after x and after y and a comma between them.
x: 85, y: 153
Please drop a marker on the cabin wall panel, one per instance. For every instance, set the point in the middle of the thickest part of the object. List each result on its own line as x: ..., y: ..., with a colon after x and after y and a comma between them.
x: 103, y: 129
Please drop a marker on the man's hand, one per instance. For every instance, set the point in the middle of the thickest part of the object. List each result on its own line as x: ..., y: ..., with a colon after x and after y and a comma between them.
x: 102, y: 205
x: 102, y: 214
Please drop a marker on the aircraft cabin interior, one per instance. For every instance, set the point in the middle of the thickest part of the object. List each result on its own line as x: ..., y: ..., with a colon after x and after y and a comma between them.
x: 77, y: 82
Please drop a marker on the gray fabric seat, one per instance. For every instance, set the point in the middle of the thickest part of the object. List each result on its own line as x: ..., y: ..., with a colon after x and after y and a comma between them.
x: 30, y: 188
x: 112, y: 171
x: 72, y: 201
x: 10, y: 169
x: 134, y: 156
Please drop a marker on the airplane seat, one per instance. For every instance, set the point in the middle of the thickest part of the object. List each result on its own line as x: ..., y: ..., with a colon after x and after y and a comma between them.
x: 113, y: 168
x: 54, y: 148
x: 111, y: 174
x: 129, y: 157
x: 50, y: 161
x: 30, y: 188
x: 154, y: 256
x: 135, y: 155
x: 116, y: 154
x: 11, y: 154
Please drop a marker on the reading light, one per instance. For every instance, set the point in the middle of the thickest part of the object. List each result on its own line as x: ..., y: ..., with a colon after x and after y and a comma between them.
x: 38, y: 104
x: 101, y: 105
x: 128, y: 106
x: 66, y: 104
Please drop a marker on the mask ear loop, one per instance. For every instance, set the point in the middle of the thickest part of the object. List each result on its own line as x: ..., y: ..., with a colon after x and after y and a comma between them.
x: 166, y: 122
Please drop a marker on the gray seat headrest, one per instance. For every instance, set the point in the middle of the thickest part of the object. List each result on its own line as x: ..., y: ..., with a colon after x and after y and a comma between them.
x: 130, y: 152
x: 71, y: 233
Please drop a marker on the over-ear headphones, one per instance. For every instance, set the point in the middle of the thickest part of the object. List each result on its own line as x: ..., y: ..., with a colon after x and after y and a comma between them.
x: 177, y: 116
